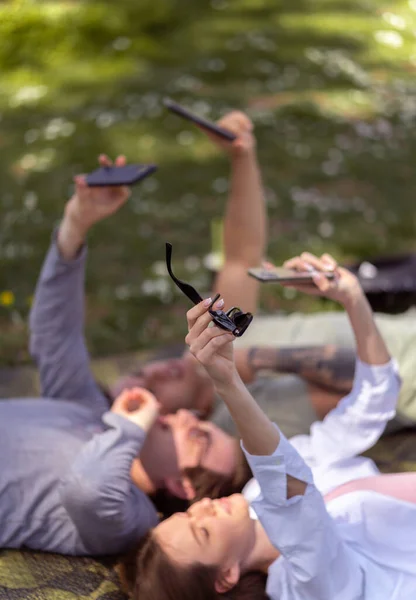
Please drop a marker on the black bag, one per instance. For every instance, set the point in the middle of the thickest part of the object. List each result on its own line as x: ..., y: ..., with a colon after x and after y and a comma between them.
x: 388, y: 281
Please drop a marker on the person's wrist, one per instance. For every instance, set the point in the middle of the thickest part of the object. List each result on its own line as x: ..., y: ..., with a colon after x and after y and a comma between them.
x: 71, y: 236
x: 139, y: 421
x: 234, y: 381
x: 74, y: 229
x: 144, y: 421
x: 353, y: 297
x: 74, y: 220
x: 240, y: 155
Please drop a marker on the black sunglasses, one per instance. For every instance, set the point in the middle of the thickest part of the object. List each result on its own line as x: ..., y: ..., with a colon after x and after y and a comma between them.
x: 234, y: 320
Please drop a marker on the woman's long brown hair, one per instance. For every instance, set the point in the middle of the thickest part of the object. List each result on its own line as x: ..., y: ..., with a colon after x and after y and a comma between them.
x: 159, y: 578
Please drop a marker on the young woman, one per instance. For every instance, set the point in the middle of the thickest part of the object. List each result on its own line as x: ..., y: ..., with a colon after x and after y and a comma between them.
x: 364, y: 548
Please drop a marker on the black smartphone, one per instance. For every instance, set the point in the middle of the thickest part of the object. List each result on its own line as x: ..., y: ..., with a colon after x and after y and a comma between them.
x: 204, y: 123
x: 282, y: 275
x: 116, y: 176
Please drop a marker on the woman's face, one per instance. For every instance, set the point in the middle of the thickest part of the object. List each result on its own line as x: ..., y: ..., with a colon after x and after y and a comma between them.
x: 211, y: 532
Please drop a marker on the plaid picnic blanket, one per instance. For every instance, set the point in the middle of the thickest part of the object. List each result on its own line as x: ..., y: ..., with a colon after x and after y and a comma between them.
x: 26, y: 575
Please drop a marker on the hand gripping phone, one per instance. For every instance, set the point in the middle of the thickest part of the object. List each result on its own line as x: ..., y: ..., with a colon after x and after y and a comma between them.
x: 116, y: 176
x: 179, y: 110
x: 283, y: 275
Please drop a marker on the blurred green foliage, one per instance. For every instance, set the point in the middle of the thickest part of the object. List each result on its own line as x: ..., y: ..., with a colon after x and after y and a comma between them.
x: 329, y: 84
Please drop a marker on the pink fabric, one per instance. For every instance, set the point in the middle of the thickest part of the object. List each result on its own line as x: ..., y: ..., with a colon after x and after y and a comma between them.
x: 399, y: 485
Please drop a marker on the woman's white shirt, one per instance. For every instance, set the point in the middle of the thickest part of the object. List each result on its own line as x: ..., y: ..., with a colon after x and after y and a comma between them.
x: 339, y: 552
x: 328, y: 552
x: 332, y: 447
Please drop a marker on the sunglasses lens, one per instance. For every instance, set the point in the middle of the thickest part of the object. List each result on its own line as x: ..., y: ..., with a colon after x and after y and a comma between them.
x: 233, y: 311
x: 222, y: 320
x: 242, y: 321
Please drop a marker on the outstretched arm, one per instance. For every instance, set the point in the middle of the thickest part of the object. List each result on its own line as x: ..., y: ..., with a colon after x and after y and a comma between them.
x: 245, y: 221
x: 57, y: 340
x: 317, y: 563
x: 360, y: 418
x: 213, y: 348
x: 109, y: 511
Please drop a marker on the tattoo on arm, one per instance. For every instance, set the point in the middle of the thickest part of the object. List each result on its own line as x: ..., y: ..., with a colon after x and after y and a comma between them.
x: 331, y: 367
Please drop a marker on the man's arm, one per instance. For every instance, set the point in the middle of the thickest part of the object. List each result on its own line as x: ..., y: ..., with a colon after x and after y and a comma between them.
x: 57, y: 318
x: 56, y: 332
x: 110, y: 513
x: 330, y: 367
x: 245, y: 220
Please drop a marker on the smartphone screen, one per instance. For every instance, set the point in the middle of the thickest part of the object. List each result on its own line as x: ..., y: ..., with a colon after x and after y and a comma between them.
x: 204, y: 123
x: 283, y: 275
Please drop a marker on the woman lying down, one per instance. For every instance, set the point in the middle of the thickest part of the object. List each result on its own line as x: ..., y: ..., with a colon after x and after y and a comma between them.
x: 361, y: 545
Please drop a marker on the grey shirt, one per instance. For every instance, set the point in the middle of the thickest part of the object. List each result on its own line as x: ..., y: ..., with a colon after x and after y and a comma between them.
x: 65, y: 460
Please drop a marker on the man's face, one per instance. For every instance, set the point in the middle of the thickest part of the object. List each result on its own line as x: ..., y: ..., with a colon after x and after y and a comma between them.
x: 176, y: 383
x: 181, y: 441
x: 199, y: 443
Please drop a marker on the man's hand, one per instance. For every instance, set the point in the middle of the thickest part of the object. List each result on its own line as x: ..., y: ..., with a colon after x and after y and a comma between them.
x: 239, y: 124
x: 138, y: 406
x: 88, y: 206
x: 92, y: 204
x: 210, y: 345
x: 344, y: 288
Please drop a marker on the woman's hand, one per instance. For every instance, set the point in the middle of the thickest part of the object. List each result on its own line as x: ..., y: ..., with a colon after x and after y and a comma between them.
x: 343, y: 288
x: 210, y: 345
x: 138, y: 406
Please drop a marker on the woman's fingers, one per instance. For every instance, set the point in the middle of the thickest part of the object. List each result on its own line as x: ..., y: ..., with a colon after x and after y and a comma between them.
x: 312, y: 262
x: 321, y: 282
x: 196, y: 311
x: 209, y: 342
x: 329, y: 261
x: 198, y: 327
x: 200, y: 333
x: 205, y: 354
x: 201, y: 309
x: 308, y: 262
x: 295, y: 263
x: 200, y: 341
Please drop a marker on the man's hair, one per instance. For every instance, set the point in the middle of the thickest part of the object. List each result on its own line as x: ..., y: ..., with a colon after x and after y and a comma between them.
x: 170, y: 351
x: 207, y: 484
x: 156, y: 577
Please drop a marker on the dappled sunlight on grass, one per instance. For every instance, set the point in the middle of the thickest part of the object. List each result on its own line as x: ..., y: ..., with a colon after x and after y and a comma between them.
x: 329, y: 85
